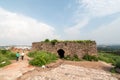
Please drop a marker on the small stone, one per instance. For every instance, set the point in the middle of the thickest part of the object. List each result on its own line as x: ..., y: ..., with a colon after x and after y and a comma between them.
x: 43, y: 66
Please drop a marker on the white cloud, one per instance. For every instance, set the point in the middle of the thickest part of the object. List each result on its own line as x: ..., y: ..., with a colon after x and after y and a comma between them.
x: 107, y: 34
x: 100, y: 7
x: 74, y: 31
x: 89, y: 9
x: 19, y: 29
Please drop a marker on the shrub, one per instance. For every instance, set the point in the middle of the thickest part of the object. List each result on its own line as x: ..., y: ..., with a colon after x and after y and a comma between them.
x: 67, y: 57
x: 3, y: 61
x: 90, y: 57
x: 117, y: 63
x: 42, y: 58
x: 75, y: 58
x: 72, y: 58
x: 47, y: 40
x: 54, y: 41
x: 5, y: 57
x: 38, y: 61
x: 11, y: 56
x: 116, y: 67
x: 113, y: 70
x: 8, y: 54
x: 4, y: 52
x: 109, y: 58
x: 33, y: 53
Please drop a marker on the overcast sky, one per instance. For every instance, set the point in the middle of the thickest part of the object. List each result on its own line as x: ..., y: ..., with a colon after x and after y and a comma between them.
x: 25, y: 21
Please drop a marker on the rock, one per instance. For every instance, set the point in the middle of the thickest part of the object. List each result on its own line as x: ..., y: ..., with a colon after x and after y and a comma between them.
x: 43, y: 66
x: 3, y: 62
x: 118, y: 70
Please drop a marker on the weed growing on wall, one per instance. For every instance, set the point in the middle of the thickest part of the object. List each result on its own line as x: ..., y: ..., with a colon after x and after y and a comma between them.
x: 77, y: 41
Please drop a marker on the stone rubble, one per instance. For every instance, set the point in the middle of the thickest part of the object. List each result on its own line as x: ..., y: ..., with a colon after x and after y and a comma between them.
x: 70, y: 72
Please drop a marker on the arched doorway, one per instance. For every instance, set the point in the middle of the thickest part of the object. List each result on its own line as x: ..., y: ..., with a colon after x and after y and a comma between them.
x: 61, y: 53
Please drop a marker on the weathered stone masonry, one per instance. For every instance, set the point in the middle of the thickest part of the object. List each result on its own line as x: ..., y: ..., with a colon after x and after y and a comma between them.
x: 67, y: 48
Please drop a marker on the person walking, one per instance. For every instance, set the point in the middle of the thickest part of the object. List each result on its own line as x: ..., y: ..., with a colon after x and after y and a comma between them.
x: 22, y: 55
x: 17, y: 56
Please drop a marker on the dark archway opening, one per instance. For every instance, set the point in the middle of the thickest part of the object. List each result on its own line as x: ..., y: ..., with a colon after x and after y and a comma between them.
x: 61, y: 53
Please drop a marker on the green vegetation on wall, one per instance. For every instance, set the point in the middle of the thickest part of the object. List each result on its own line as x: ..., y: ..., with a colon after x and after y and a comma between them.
x: 47, y: 40
x: 54, y: 41
x: 77, y: 41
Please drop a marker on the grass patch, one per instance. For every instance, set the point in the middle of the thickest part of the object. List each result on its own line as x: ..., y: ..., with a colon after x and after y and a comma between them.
x: 5, y: 57
x: 4, y: 61
x: 109, y: 58
x: 113, y: 70
x: 90, y: 57
x: 72, y: 58
x: 41, y: 58
x: 8, y: 54
x: 117, y: 65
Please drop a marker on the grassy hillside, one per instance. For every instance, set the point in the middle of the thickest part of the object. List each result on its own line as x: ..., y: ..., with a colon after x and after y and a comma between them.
x: 5, y: 57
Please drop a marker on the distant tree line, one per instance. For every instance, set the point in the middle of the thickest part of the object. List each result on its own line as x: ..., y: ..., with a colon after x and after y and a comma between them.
x: 109, y: 49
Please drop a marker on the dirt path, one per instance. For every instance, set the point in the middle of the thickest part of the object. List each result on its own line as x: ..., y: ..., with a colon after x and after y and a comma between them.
x: 15, y: 70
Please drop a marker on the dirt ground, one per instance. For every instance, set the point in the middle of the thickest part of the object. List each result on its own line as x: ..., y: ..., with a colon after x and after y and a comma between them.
x: 87, y: 64
x: 21, y: 70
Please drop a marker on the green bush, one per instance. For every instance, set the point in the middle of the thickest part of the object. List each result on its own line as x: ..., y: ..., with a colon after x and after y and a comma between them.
x: 106, y: 59
x: 42, y: 58
x: 38, y: 61
x: 90, y: 57
x: 109, y: 58
x: 117, y: 63
x: 4, y: 52
x: 54, y: 41
x: 33, y: 53
x: 72, y: 58
x: 47, y: 40
x: 75, y: 58
x: 5, y: 57
x: 4, y: 61
x: 113, y: 70
x: 67, y: 57
x: 8, y: 54
x: 11, y: 56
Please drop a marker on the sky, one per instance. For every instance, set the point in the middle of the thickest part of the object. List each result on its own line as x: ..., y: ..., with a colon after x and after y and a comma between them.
x: 25, y: 21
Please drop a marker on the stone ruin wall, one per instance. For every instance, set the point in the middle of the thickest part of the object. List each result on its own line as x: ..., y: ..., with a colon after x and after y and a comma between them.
x: 70, y: 48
